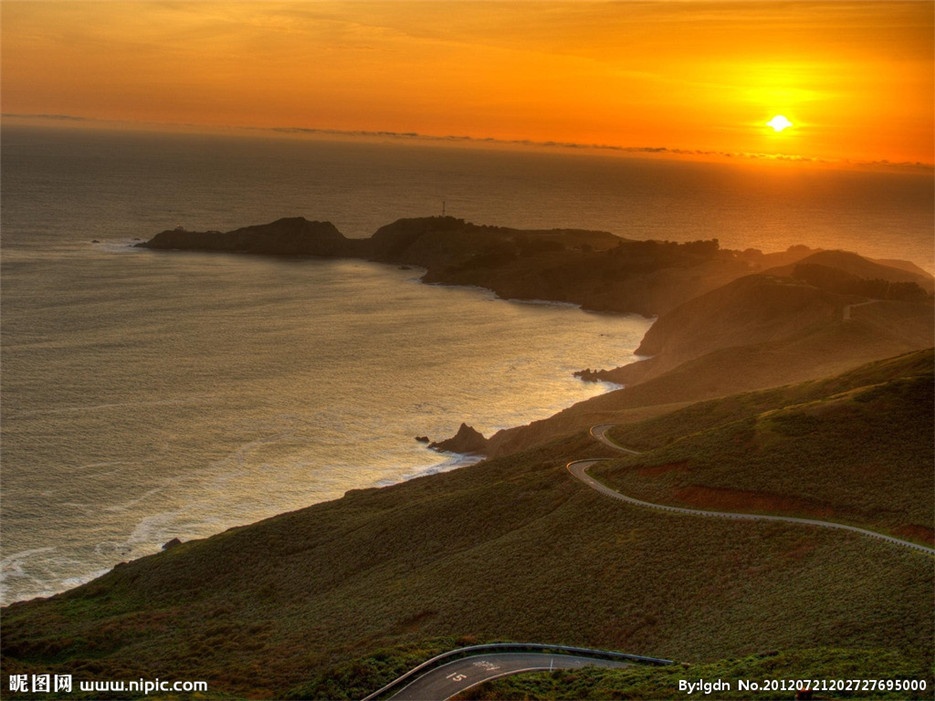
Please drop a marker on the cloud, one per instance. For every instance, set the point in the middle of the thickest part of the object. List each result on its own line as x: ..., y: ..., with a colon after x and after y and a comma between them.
x: 57, y: 117
x: 481, y: 141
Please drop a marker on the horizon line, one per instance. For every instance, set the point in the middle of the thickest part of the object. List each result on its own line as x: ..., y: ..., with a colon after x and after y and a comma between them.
x: 477, y: 140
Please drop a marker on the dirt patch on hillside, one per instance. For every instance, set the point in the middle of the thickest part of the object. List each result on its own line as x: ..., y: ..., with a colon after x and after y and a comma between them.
x: 742, y: 500
x: 920, y: 534
x: 655, y: 470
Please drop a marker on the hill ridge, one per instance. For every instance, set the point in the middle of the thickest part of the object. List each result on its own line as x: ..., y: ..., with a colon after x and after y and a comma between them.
x: 597, y: 270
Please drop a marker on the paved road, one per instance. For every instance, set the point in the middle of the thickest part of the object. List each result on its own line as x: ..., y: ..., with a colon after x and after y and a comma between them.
x: 848, y: 307
x: 579, y: 469
x: 453, y: 678
x: 600, y: 433
x: 463, y: 674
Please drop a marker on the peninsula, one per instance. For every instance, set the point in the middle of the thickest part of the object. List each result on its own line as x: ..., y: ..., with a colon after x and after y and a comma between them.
x: 594, y: 269
x: 728, y: 321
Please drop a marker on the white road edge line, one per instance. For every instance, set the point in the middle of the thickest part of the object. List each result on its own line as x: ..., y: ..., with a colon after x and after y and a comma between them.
x: 579, y: 468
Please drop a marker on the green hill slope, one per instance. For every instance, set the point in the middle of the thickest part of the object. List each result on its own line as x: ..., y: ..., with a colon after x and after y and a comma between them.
x: 856, y: 448
x: 745, y: 336
x: 509, y: 549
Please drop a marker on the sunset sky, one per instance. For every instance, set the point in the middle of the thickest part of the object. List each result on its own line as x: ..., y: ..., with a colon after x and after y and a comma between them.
x: 854, y: 78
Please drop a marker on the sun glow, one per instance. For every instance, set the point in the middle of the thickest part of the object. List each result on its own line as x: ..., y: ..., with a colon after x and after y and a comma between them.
x: 694, y: 76
x: 779, y: 123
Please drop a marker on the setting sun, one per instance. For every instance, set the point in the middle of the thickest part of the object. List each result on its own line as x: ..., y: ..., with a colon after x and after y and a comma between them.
x: 779, y: 123
x: 622, y: 74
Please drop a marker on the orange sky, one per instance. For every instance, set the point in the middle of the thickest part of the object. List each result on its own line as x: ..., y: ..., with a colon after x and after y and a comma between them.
x: 855, y: 78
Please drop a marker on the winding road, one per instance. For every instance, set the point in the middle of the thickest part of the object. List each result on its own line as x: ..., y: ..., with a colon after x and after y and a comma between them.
x: 456, y: 671
x: 579, y: 469
x: 438, y: 679
x: 848, y: 307
x: 461, y: 675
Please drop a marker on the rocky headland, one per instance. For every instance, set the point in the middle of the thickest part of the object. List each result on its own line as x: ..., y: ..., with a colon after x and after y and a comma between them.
x: 468, y: 440
x: 290, y: 236
x: 727, y: 321
x: 594, y: 269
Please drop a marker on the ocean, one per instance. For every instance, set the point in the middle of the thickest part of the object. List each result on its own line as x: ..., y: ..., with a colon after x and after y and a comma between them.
x: 150, y: 395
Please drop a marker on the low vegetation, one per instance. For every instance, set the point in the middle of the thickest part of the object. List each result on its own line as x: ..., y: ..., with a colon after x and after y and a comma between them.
x: 837, y: 280
x: 351, y: 681
x: 856, y: 449
x: 511, y: 549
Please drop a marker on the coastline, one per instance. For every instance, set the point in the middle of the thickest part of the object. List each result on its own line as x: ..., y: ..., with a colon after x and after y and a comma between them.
x: 490, y: 553
x: 359, y: 272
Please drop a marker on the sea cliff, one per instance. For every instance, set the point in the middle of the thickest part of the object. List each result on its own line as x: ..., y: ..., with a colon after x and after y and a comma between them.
x: 594, y: 269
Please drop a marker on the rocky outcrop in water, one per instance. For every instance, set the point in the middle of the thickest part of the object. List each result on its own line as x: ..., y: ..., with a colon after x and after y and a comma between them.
x: 466, y: 440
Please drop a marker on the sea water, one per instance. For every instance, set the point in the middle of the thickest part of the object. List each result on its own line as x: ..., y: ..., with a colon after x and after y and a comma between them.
x: 152, y: 395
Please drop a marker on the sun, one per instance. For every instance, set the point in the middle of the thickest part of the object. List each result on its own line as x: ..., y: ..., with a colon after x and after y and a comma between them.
x: 779, y: 123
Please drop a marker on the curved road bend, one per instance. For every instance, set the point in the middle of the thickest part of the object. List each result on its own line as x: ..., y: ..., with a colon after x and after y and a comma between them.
x: 579, y: 469
x: 848, y: 307
x: 457, y: 677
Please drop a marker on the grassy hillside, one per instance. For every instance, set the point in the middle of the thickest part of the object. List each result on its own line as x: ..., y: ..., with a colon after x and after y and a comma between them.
x: 756, y: 354
x: 701, y: 416
x: 509, y: 549
x: 857, y: 448
x: 353, y: 680
x: 752, y: 309
x: 821, y: 314
x: 797, y: 330
x: 858, y: 267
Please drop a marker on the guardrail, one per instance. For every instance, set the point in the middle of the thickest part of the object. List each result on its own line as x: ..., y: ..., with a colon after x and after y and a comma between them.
x: 511, y: 647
